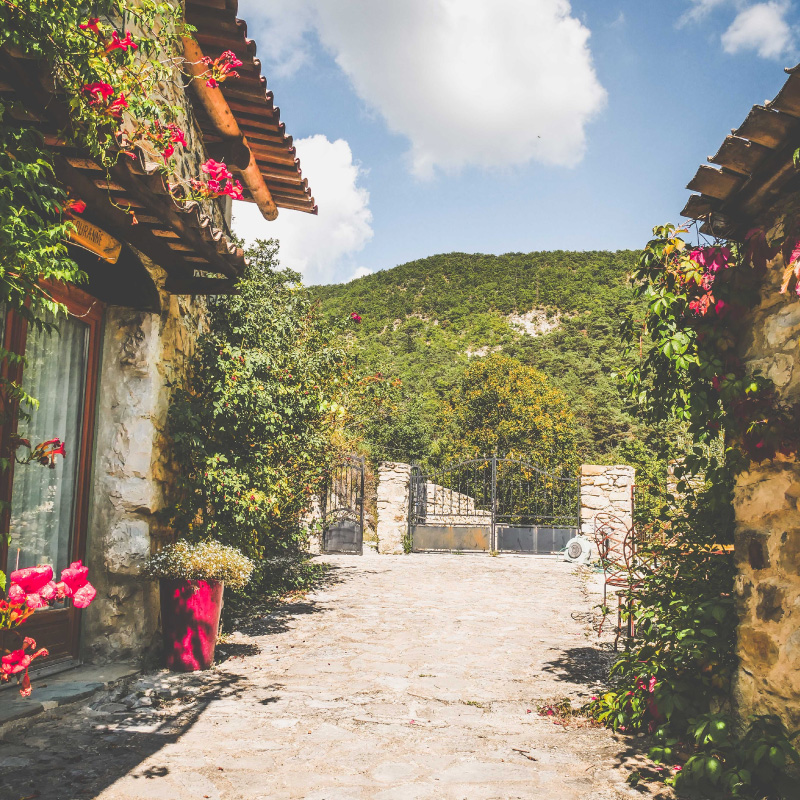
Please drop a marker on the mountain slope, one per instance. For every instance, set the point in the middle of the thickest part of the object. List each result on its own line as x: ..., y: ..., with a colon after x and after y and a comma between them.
x: 558, y: 311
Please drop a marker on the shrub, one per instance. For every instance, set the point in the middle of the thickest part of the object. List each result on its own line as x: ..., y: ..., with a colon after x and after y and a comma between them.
x: 203, y: 561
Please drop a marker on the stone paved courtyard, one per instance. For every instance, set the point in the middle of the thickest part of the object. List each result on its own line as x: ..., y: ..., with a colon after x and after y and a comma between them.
x: 402, y: 678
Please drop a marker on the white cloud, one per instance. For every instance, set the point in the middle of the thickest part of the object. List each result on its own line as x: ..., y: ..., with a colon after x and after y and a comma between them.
x: 700, y: 10
x: 491, y: 83
x: 763, y: 28
x: 320, y: 247
x: 361, y: 272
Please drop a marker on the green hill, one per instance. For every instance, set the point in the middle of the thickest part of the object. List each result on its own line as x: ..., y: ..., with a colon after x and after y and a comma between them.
x: 559, y: 311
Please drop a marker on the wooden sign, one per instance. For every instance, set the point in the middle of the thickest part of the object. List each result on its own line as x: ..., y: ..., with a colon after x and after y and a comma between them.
x: 96, y: 240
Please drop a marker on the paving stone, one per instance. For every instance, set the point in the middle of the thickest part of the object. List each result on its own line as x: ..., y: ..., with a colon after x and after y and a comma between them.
x: 323, y: 708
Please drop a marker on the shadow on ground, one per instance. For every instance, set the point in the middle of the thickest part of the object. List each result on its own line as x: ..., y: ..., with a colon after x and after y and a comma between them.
x: 583, y: 664
x: 80, y: 752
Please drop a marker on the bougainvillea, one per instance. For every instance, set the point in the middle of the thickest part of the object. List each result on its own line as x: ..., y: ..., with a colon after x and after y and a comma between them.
x: 675, y: 678
x: 691, y: 368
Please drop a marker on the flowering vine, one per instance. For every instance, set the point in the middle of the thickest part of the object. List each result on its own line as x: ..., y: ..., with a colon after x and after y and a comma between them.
x: 696, y: 300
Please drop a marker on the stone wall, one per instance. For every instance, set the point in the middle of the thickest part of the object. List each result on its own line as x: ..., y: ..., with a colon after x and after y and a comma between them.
x: 767, y: 505
x: 144, y: 354
x: 607, y: 490
x: 394, y: 480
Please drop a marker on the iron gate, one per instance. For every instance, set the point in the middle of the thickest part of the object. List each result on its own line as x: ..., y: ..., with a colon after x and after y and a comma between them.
x: 343, y: 508
x: 493, y: 504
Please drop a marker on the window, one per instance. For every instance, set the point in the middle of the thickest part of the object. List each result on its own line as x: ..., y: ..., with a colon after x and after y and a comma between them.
x: 47, y: 520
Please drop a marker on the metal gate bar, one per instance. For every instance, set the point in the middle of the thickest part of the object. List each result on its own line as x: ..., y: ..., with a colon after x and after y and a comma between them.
x: 490, y: 503
x: 343, y: 508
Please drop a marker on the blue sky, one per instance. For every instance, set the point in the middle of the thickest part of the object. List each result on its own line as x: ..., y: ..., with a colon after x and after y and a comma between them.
x: 428, y: 126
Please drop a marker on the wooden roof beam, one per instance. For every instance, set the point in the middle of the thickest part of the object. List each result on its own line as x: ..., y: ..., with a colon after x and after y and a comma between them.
x: 218, y: 111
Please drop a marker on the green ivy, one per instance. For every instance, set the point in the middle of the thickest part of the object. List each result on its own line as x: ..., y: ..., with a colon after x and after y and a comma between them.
x: 674, y: 680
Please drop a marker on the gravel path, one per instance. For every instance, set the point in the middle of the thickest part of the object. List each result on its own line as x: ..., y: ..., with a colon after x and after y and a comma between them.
x: 403, y: 678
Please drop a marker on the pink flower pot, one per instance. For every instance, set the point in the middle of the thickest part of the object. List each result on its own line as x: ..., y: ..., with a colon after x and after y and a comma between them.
x: 190, y: 612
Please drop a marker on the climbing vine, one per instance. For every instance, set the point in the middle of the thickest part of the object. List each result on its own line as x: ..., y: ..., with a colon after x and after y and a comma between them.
x: 674, y: 680
x: 106, y: 73
x: 691, y: 367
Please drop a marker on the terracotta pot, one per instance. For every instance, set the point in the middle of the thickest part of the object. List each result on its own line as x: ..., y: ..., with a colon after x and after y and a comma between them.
x: 190, y: 612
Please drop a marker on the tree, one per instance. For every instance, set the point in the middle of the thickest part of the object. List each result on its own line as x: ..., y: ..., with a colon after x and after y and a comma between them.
x: 502, y: 406
x: 253, y: 430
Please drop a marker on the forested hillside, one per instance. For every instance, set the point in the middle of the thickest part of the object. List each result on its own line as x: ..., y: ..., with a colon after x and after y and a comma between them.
x: 558, y: 311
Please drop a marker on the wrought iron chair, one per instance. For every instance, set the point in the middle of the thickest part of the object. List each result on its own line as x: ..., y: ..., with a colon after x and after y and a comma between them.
x: 615, y: 540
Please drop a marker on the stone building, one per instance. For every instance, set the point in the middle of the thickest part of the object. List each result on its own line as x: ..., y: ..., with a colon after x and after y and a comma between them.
x: 104, y: 383
x: 752, y: 183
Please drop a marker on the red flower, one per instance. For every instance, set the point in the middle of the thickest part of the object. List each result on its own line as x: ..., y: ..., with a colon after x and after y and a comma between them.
x: 176, y: 134
x: 100, y: 91
x: 91, y: 25
x: 18, y: 661
x: 115, y: 109
x: 76, y: 207
x: 227, y: 60
x: 168, y: 151
x: 212, y: 83
x: 355, y: 317
x: 76, y: 579
x: 124, y: 44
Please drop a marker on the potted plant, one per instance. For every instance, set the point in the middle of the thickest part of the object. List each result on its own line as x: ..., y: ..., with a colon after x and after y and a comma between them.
x: 193, y: 578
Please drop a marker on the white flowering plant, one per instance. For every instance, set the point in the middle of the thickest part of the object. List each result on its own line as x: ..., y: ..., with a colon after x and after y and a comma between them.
x: 203, y: 561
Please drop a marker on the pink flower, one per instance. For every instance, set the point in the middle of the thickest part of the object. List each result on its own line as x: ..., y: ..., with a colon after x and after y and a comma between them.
x: 212, y: 83
x: 176, y: 134
x: 234, y: 190
x: 48, y: 592
x: 35, y: 600
x: 124, y: 44
x: 168, y: 151
x: 16, y: 594
x: 355, y: 317
x: 216, y: 170
x: 31, y: 579
x: 76, y: 579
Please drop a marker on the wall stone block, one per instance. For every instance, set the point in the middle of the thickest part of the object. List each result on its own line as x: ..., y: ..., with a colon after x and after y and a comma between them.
x: 606, y: 489
x: 394, y: 480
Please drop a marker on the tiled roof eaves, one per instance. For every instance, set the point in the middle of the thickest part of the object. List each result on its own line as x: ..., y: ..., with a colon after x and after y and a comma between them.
x: 251, y: 103
x: 751, y: 167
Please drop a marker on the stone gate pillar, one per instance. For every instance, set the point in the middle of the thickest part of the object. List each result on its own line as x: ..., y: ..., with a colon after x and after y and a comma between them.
x: 606, y: 489
x: 394, y: 479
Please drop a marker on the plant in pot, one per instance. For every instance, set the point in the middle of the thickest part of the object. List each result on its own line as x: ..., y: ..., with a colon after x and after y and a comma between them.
x: 192, y: 578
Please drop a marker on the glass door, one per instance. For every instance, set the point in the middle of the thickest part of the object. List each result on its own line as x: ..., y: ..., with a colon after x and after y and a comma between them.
x: 47, y: 520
